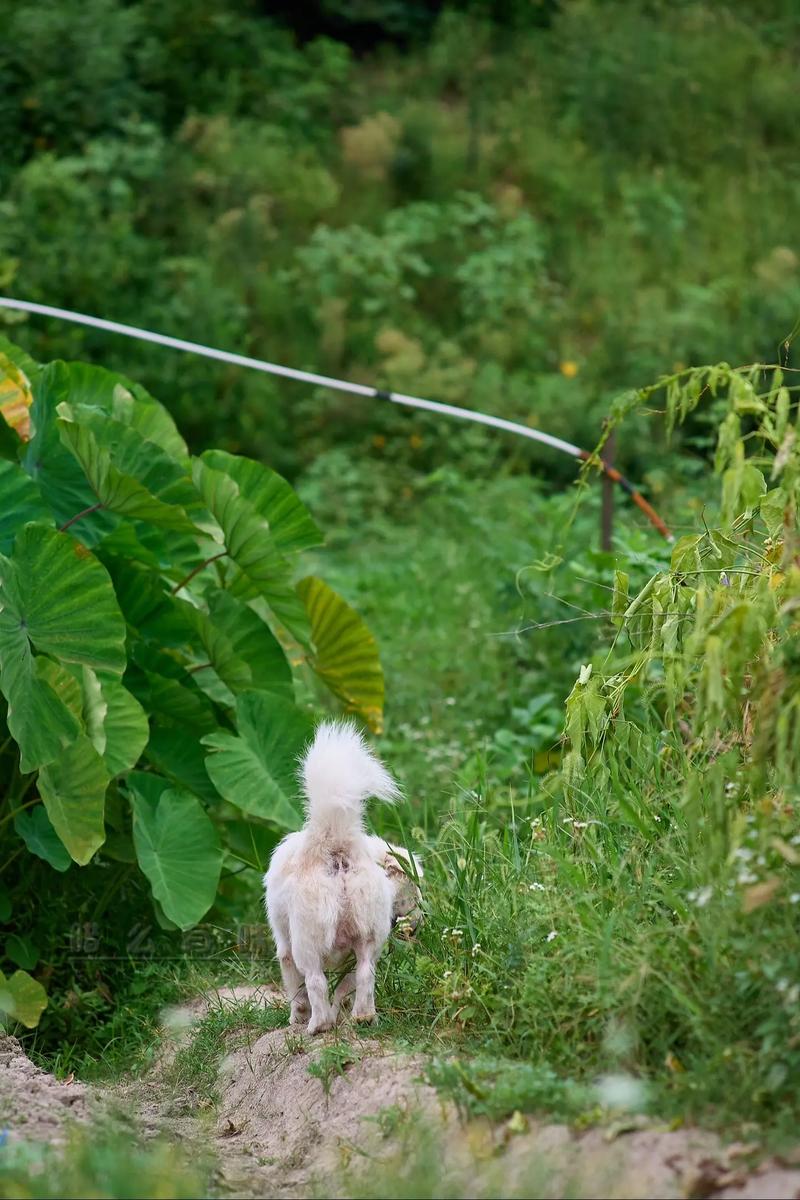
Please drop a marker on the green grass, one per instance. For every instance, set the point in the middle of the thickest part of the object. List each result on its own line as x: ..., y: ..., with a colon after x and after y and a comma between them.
x: 564, y: 944
x: 224, y: 1028
x: 102, y: 1163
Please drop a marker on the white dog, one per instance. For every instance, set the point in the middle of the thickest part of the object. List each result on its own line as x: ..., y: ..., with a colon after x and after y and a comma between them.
x: 332, y: 889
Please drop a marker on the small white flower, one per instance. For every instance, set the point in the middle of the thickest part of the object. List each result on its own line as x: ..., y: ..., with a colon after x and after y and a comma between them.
x: 552, y: 934
x: 622, y: 1092
x: 450, y: 701
x: 794, y: 898
x: 586, y: 674
x: 536, y: 887
x: 701, y: 896
x: 447, y: 974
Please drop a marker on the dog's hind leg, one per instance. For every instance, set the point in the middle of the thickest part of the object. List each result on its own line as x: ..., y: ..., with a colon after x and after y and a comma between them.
x: 295, y: 988
x: 364, y: 1007
x: 344, y: 988
x: 323, y: 1014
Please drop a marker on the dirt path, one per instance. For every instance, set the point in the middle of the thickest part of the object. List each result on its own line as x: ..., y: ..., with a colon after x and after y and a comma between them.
x: 368, y: 1124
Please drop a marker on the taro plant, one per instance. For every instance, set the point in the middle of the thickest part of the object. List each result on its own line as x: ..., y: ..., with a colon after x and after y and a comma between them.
x: 153, y: 635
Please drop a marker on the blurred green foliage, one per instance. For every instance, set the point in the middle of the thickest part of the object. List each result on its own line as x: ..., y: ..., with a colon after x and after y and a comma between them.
x: 515, y: 207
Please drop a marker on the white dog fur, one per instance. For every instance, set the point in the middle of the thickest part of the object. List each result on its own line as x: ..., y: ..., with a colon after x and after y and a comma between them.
x: 333, y: 889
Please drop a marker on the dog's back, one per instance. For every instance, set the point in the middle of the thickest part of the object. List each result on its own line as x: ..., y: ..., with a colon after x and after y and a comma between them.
x: 323, y: 883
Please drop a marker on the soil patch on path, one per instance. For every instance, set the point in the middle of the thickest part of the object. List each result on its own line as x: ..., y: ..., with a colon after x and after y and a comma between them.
x: 342, y: 1115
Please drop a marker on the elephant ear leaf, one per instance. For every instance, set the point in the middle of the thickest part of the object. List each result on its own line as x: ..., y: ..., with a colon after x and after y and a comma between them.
x: 73, y: 789
x: 177, y: 848
x: 263, y: 569
x: 55, y: 598
x: 290, y: 523
x: 22, y: 998
x: 257, y: 770
x: 101, y: 447
x: 345, y: 651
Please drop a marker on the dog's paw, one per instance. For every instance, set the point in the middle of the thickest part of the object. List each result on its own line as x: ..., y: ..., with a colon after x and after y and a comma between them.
x: 367, y: 1016
x: 321, y: 1024
x: 299, y: 1016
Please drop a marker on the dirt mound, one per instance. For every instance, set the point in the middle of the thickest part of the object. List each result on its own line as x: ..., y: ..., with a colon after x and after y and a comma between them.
x: 305, y: 1126
x: 34, y: 1105
x: 299, y: 1114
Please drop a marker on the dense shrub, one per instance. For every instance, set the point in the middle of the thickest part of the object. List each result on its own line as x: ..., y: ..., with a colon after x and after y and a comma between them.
x: 152, y: 636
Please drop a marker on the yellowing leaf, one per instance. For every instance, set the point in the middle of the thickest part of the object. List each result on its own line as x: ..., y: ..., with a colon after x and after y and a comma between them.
x: 16, y: 397
x: 23, y: 998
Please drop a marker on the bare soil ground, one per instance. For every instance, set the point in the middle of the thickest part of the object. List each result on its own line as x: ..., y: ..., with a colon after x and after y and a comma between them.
x: 278, y: 1130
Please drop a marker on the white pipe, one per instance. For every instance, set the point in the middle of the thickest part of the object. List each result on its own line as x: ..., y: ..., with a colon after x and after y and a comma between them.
x: 257, y: 364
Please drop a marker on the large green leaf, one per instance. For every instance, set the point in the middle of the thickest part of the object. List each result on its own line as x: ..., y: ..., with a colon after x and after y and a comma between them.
x: 125, y: 726
x: 34, y: 827
x: 56, y: 594
x: 115, y: 721
x: 257, y: 770
x: 290, y: 523
x: 178, y: 850
x: 39, y: 718
x: 345, y: 652
x: 22, y: 998
x: 249, y: 543
x: 47, y: 460
x: 241, y: 647
x: 73, y: 789
x: 20, y: 502
x: 94, y: 444
x: 56, y: 597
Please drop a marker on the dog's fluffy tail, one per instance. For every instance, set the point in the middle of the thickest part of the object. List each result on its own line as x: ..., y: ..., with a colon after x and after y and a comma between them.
x: 339, y: 773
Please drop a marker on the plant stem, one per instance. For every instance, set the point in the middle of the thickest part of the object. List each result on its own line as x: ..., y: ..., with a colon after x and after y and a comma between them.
x: 9, y: 816
x: 85, y: 513
x: 196, y: 571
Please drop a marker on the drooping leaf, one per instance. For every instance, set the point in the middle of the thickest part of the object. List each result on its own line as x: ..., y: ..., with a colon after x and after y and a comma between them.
x: 257, y: 770
x: 290, y: 523
x: 20, y: 502
x: 345, y: 651
x: 22, y: 998
x: 178, y: 850
x: 73, y: 789
x: 34, y: 827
